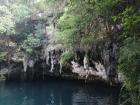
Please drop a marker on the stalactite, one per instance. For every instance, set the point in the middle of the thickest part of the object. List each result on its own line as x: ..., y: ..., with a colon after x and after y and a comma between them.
x: 25, y: 62
x: 51, y: 61
x: 60, y: 70
x: 31, y: 63
x: 86, y: 62
x: 46, y: 54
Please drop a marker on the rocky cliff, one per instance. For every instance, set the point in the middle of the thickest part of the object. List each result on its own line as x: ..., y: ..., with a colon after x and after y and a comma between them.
x: 98, y: 63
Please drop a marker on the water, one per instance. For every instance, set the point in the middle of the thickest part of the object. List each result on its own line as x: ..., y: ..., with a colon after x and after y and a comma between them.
x: 56, y: 93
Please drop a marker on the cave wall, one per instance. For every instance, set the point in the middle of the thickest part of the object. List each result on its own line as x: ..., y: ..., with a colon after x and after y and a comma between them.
x: 100, y: 63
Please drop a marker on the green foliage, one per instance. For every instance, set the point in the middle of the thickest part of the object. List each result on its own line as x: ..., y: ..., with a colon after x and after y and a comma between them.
x: 31, y: 42
x: 44, y: 5
x: 130, y: 21
x: 67, y: 33
x: 129, y: 61
x: 41, y: 5
x: 13, y: 20
x: 10, y: 14
x: 19, y: 11
x: 129, y: 56
x: 65, y: 57
x: 130, y: 18
x: 7, y: 23
x: 87, y: 42
x: 83, y: 20
x: 105, y: 8
x: 67, y: 21
x: 129, y: 65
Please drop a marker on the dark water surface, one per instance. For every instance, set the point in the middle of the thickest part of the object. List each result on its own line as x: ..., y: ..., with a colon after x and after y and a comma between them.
x: 56, y: 93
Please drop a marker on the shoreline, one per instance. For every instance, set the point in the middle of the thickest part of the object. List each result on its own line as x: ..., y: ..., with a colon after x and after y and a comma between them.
x: 64, y: 78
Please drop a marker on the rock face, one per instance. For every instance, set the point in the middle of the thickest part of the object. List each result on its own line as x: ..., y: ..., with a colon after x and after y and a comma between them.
x: 99, y: 63
x: 80, y: 67
x: 11, y: 70
x: 98, y: 71
x: 96, y: 64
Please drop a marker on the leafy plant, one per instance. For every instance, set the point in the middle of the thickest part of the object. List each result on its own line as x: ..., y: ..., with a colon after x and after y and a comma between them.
x: 7, y: 23
x: 129, y: 60
x: 65, y: 57
x: 30, y: 43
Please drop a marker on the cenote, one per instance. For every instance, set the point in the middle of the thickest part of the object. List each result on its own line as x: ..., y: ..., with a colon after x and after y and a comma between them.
x: 57, y: 93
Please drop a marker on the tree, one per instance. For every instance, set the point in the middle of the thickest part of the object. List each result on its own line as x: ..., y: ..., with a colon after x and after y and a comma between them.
x: 11, y: 13
x: 7, y: 23
x: 129, y: 54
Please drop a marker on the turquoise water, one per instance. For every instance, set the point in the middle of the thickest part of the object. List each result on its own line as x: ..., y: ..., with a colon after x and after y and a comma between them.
x: 56, y: 93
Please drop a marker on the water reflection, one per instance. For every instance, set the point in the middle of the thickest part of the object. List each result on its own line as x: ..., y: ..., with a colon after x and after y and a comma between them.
x: 53, y: 93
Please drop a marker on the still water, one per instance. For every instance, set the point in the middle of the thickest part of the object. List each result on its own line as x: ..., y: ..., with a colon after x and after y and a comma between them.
x: 56, y: 93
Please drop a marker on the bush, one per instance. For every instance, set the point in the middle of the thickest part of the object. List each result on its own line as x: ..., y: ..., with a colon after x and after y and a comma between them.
x: 129, y: 65
x: 65, y: 57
